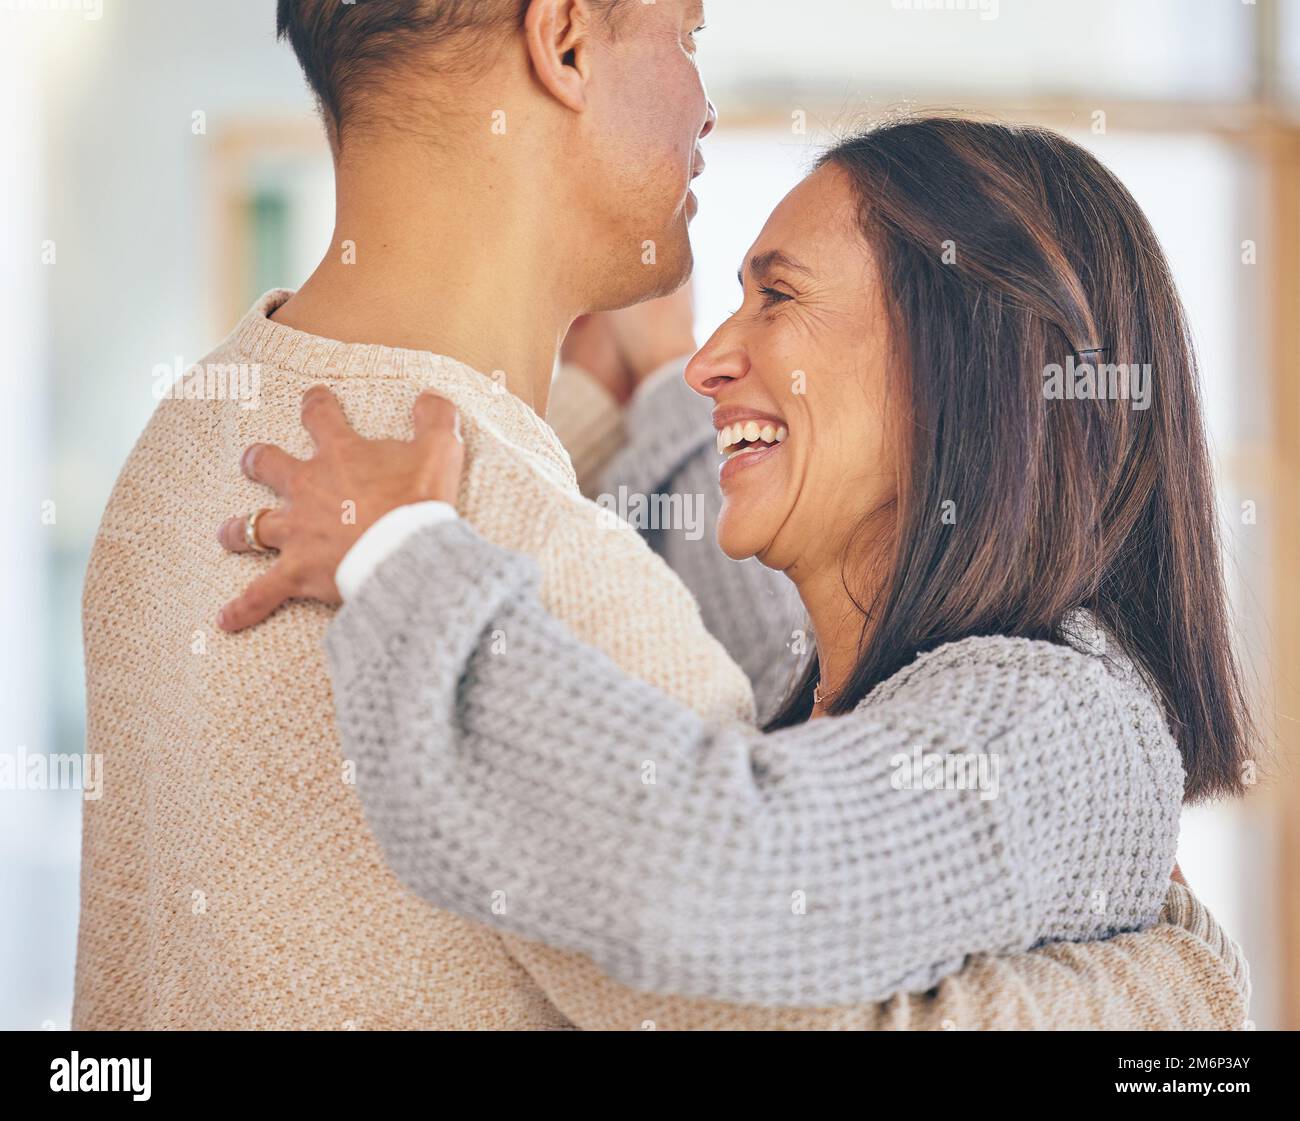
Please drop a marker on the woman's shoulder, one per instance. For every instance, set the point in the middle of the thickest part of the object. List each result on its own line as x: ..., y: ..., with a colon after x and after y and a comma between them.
x: 1082, y: 697
x: 1088, y: 778
x: 998, y: 666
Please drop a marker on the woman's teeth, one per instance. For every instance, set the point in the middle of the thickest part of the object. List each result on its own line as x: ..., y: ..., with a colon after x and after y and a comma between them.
x: 747, y: 436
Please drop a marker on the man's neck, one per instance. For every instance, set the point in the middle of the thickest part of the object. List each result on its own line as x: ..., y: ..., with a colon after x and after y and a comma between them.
x: 460, y: 258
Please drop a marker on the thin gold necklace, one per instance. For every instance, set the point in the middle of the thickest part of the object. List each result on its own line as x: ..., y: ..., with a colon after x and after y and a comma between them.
x: 819, y: 696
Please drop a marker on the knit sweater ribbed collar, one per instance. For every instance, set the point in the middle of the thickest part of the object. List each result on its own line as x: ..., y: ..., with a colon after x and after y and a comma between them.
x: 276, y: 346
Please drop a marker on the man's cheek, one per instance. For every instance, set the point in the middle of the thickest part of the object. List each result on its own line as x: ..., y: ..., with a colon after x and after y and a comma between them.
x: 671, y: 101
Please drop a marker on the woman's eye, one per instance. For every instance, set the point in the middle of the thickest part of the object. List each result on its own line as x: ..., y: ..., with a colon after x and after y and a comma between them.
x: 774, y: 296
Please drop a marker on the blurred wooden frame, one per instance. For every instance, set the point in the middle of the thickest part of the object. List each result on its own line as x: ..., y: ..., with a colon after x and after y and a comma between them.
x: 237, y: 150
x: 1281, y: 151
x: 1266, y: 136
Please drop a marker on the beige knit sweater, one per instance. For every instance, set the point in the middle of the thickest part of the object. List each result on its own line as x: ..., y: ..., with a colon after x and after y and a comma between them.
x: 228, y: 878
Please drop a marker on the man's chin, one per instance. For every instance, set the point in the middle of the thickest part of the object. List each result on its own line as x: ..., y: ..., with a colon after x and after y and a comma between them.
x: 675, y: 269
x: 662, y: 278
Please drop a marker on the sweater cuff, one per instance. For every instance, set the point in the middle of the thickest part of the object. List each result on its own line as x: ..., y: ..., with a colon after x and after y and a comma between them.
x: 444, y: 572
x: 383, y: 539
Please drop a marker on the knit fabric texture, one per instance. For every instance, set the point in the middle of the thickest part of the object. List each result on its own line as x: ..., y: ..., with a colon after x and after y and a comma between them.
x: 228, y: 877
x: 591, y: 420
x: 995, y: 794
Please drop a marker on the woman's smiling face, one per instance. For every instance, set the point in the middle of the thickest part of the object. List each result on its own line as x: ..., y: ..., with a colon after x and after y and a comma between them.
x: 805, y: 355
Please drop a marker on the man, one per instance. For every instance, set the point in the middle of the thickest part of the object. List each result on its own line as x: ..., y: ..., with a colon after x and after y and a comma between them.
x: 502, y: 167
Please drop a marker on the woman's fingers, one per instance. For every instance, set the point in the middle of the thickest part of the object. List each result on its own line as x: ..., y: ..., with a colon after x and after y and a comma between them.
x: 258, y: 600
x: 232, y: 535
x: 439, y: 446
x: 271, y: 532
x: 273, y: 467
x: 435, y: 416
x: 323, y: 416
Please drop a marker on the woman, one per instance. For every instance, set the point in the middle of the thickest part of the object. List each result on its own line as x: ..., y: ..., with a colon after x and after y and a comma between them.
x: 1022, y: 664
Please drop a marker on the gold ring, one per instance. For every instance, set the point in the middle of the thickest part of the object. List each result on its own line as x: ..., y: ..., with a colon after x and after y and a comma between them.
x: 251, y: 539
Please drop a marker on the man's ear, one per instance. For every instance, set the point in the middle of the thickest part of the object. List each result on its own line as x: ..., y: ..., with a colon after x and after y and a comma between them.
x: 558, y: 34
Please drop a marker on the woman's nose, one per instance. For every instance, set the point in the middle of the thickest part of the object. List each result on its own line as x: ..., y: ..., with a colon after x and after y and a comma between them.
x: 716, y: 365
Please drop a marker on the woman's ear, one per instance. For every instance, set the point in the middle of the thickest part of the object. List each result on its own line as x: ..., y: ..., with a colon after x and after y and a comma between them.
x: 558, y: 34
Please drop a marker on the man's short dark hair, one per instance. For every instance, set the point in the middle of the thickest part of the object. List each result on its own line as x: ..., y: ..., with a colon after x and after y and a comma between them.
x: 347, y: 49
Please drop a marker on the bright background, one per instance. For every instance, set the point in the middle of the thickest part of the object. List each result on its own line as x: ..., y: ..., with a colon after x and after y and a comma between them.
x: 162, y: 236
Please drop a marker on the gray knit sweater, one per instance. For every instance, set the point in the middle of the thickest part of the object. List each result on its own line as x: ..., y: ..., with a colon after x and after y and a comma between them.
x: 995, y: 794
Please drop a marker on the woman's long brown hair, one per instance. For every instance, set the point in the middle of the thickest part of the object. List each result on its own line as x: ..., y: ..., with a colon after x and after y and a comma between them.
x: 1056, y: 504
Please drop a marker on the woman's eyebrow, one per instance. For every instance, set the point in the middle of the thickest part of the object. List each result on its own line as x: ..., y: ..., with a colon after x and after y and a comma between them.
x: 762, y: 263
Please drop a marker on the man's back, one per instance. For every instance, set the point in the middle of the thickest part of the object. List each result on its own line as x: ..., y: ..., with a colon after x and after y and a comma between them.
x: 229, y: 880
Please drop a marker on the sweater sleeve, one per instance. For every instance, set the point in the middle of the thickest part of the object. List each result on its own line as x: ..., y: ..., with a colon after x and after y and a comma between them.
x: 668, y: 448
x: 516, y: 776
